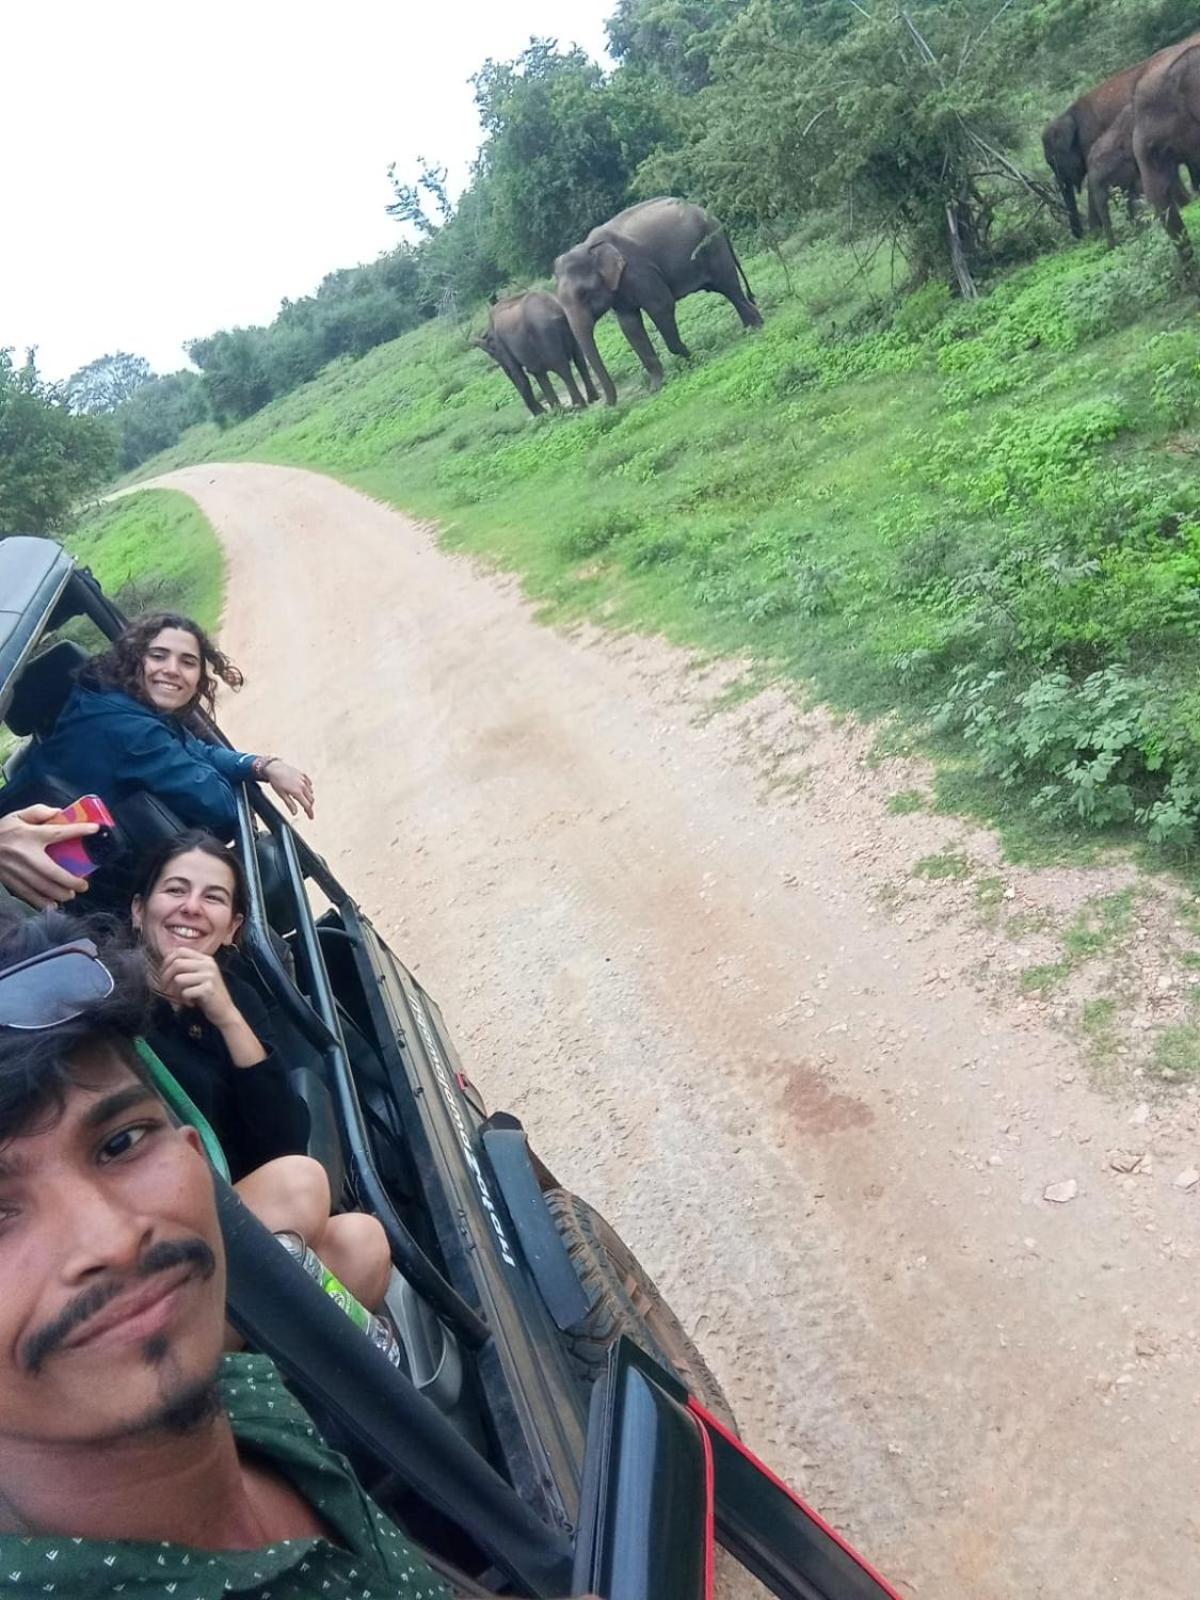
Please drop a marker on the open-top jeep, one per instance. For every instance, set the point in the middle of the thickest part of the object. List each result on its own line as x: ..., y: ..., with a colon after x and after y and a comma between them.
x: 551, y: 1430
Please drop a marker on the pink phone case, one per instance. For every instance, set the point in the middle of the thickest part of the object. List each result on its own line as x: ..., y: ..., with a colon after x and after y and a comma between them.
x: 72, y: 854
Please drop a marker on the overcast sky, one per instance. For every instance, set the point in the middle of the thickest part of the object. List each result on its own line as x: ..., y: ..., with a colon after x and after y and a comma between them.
x: 174, y: 168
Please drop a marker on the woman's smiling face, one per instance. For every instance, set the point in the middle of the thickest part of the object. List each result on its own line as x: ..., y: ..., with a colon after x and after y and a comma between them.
x: 171, y: 669
x: 190, y: 907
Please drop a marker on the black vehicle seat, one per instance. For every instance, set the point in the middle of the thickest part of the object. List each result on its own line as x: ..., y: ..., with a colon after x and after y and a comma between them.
x: 42, y: 689
x: 306, y: 1074
x: 38, y: 697
x: 276, y: 883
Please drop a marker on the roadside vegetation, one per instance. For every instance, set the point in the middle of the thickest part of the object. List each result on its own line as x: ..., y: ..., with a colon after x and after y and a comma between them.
x: 154, y: 551
x: 983, y: 516
x: 953, y: 480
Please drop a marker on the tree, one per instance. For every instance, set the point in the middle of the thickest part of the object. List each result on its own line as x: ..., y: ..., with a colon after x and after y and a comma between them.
x: 671, y: 40
x: 409, y: 204
x: 234, y: 373
x: 157, y: 414
x: 898, y: 118
x: 107, y: 382
x: 562, y: 144
x: 49, y: 457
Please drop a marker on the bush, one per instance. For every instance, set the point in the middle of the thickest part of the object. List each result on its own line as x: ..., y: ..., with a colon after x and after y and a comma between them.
x: 1094, y: 751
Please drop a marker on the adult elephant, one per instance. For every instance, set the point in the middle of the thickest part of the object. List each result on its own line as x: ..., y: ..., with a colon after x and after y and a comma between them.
x: 1166, y: 135
x: 645, y: 259
x: 1067, y: 140
x: 530, y: 333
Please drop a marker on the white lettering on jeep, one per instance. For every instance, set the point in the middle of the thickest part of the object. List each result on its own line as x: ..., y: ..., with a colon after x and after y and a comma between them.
x: 434, y: 1052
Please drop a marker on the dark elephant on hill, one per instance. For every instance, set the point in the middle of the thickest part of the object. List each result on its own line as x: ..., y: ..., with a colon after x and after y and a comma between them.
x: 1069, y: 138
x: 1166, y: 135
x: 1112, y: 164
x: 529, y: 333
x: 645, y: 259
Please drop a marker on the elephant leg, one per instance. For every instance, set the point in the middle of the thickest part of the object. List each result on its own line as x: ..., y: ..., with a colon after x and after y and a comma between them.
x: 724, y: 279
x: 663, y: 318
x: 634, y: 330
x: 1099, y: 213
x: 521, y: 384
x: 548, y: 390
x: 564, y: 372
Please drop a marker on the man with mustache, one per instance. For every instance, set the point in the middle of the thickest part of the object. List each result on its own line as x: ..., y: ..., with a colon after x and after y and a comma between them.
x: 134, y: 1458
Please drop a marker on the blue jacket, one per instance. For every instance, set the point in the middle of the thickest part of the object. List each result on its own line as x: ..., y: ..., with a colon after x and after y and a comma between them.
x: 107, y: 743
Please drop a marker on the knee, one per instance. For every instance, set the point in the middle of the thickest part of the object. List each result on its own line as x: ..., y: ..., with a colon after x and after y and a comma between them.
x: 290, y: 1192
x: 361, y: 1244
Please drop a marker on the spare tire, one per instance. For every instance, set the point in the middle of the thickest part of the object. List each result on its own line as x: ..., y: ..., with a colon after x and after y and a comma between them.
x: 624, y: 1300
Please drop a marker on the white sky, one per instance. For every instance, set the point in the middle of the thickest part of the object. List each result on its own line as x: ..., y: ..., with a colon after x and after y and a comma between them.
x: 171, y: 168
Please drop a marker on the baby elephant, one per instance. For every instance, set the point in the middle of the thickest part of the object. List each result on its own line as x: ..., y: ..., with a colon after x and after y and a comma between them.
x: 529, y: 333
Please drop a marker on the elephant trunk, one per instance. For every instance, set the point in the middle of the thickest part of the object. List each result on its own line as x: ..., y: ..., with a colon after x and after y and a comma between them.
x: 581, y: 327
x: 1067, y: 190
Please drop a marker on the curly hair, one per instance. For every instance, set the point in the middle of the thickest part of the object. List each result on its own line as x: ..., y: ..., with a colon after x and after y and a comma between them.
x: 121, y: 665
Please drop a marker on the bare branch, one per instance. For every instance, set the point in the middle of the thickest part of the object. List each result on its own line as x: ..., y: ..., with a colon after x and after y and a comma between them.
x: 969, y: 43
x: 919, y: 39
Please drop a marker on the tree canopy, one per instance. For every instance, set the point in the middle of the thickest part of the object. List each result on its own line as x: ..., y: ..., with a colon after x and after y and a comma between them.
x: 49, y: 457
x: 907, y: 122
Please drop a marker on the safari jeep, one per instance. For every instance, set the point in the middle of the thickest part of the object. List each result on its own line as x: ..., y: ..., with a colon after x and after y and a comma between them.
x: 552, y: 1430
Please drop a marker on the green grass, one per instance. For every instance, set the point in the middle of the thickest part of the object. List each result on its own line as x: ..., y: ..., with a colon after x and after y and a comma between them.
x: 1099, y: 926
x: 1178, y: 1050
x: 1098, y: 1024
x: 905, y: 802
x: 947, y: 865
x: 154, y: 551
x: 902, y: 501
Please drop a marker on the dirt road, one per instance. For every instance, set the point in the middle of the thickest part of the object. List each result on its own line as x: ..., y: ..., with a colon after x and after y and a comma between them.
x: 826, y: 1139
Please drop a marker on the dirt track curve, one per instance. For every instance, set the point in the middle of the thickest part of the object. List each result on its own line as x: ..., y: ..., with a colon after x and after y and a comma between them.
x: 828, y: 1147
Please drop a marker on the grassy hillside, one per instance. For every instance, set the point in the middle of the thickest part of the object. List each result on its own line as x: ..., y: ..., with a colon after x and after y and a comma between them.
x: 154, y: 551
x: 983, y: 517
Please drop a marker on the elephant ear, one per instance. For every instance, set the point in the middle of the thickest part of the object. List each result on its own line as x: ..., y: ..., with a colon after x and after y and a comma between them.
x: 610, y: 264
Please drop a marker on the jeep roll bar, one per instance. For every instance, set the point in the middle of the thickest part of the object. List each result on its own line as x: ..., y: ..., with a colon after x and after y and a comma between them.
x: 317, y: 1019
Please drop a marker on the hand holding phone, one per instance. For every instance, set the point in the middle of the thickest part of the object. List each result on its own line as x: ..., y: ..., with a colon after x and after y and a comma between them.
x: 82, y: 856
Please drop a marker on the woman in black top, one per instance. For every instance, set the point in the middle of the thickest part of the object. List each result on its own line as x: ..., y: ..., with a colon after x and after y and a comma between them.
x: 213, y: 1032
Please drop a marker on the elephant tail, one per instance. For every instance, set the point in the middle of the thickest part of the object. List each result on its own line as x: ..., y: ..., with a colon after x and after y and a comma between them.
x: 742, y: 273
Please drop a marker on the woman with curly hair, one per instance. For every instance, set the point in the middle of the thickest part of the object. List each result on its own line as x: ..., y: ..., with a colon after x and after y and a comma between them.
x: 123, y: 730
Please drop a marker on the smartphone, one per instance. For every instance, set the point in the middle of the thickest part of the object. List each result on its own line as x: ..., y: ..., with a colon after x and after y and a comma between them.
x: 83, y: 856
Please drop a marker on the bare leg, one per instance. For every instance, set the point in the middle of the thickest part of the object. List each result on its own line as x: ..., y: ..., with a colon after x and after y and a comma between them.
x: 548, y: 390
x: 634, y: 330
x: 355, y: 1249
x: 293, y: 1193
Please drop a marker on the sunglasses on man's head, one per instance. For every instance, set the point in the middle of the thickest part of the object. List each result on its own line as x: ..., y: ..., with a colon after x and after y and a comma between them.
x: 54, y: 987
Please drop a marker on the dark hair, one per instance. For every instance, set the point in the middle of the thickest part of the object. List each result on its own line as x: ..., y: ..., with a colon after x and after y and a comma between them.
x: 38, y: 1070
x: 155, y: 864
x: 120, y: 666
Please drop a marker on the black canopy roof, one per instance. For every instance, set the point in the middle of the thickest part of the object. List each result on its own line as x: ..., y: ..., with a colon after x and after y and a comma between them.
x: 33, y: 575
